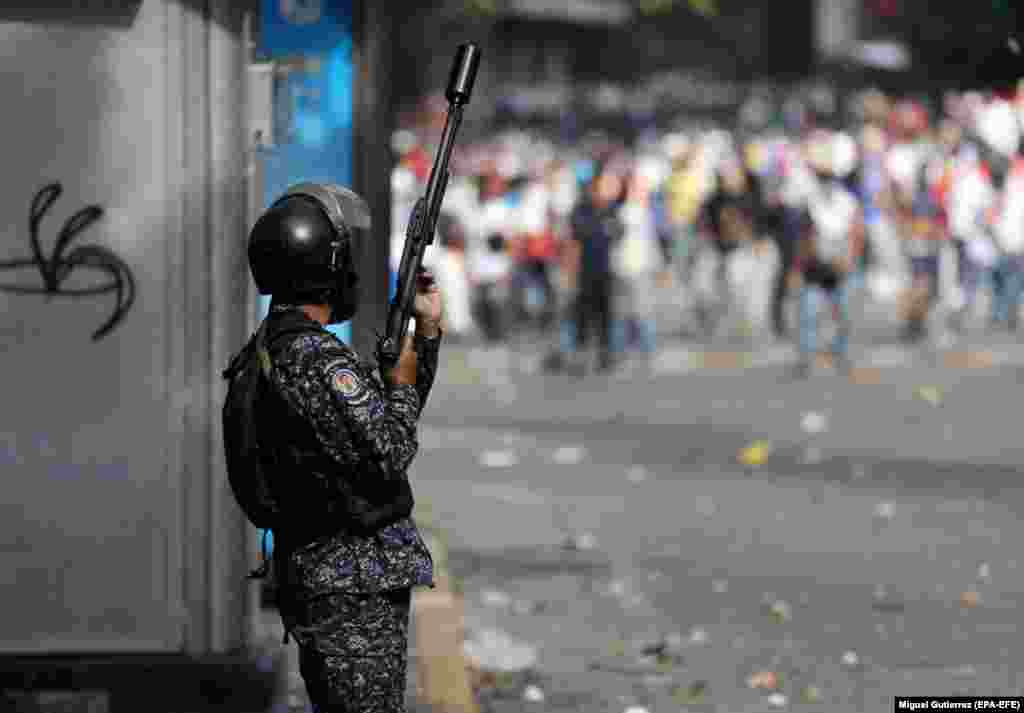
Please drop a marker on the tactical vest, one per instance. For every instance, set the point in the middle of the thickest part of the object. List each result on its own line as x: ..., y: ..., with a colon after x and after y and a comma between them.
x: 318, y: 495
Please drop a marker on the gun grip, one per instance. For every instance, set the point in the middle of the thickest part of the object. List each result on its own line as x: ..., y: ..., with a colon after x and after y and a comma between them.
x: 387, y: 354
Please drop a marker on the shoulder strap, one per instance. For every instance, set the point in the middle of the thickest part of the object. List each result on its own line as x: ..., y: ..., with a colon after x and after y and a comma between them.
x: 241, y: 358
x: 261, y: 350
x: 287, y: 325
x: 266, y: 334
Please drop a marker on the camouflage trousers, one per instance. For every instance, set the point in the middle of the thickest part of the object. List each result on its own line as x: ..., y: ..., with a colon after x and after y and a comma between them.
x: 353, y: 651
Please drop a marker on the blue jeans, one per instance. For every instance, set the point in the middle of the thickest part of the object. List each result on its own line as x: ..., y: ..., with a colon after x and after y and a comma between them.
x: 970, y: 275
x: 567, y: 335
x: 645, y: 334
x: 811, y: 297
x: 1007, y: 299
x: 619, y: 327
x: 646, y: 338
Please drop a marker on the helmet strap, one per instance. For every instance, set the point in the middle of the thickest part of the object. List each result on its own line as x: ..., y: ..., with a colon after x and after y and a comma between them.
x: 333, y: 266
x: 340, y: 245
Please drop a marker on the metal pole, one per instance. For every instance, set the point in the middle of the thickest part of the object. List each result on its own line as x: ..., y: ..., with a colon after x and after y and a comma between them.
x: 373, y: 122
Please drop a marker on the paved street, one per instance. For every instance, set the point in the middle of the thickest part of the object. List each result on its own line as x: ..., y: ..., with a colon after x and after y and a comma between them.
x: 868, y: 548
x: 865, y: 535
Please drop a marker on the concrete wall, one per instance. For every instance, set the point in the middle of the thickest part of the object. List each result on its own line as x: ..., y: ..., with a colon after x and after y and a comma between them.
x: 117, y: 530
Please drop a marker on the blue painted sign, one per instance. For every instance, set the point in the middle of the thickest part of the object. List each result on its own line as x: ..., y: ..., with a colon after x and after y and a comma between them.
x: 303, y: 27
x: 310, y: 42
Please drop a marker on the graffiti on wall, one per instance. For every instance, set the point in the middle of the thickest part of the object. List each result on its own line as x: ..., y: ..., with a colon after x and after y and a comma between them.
x: 57, y: 267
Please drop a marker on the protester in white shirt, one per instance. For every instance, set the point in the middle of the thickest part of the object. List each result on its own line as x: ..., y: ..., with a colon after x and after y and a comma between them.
x: 637, y: 262
x: 998, y: 127
x: 487, y: 256
x: 972, y: 196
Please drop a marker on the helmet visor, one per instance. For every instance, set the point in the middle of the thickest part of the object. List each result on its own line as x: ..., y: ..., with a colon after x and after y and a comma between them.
x: 344, y: 207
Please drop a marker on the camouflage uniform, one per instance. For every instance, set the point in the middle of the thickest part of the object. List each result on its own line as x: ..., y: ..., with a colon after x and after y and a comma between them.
x: 344, y: 597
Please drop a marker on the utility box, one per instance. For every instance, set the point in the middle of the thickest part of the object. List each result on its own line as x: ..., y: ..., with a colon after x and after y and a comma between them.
x: 141, y: 142
x: 125, y: 289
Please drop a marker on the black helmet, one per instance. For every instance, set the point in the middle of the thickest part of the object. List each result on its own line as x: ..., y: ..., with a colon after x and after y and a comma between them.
x: 302, y: 249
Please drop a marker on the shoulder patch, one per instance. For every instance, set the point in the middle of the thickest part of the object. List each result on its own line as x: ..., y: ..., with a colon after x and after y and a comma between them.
x: 349, y: 385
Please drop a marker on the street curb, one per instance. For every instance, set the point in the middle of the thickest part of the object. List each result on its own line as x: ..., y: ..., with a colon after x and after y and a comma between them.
x: 441, y: 674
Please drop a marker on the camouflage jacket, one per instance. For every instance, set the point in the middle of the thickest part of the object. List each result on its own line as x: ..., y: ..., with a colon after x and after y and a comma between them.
x: 368, y: 429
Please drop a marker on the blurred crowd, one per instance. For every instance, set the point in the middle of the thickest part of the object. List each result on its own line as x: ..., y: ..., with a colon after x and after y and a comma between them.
x: 917, y: 208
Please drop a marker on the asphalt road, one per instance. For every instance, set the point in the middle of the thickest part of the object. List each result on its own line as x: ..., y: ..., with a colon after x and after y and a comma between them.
x: 875, y: 503
x: 877, y: 506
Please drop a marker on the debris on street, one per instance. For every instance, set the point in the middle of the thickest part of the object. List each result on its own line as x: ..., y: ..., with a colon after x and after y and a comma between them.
x: 524, y: 607
x: 929, y: 394
x: 490, y: 649
x: 617, y: 588
x: 498, y: 459
x: 533, y: 694
x: 810, y: 694
x: 659, y: 649
x: 570, y: 455
x: 970, y: 599
x: 780, y: 611
x: 698, y: 637
x: 984, y: 572
x: 756, y: 454
x: 814, y: 423
x: 765, y: 680
x: 494, y: 598
x: 693, y: 694
x: 885, y: 511
x: 885, y: 602
x: 580, y: 542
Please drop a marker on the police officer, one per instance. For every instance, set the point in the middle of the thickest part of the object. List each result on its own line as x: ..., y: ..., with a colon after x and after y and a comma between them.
x: 341, y: 439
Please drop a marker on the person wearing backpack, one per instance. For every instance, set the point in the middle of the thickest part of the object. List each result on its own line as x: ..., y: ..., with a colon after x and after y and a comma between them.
x: 830, y: 244
x: 318, y: 446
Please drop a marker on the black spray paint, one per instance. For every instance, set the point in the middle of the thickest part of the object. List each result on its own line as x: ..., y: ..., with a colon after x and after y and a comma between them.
x: 55, y: 269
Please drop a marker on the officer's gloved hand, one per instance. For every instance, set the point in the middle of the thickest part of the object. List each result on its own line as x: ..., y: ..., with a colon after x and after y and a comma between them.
x: 404, y: 372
